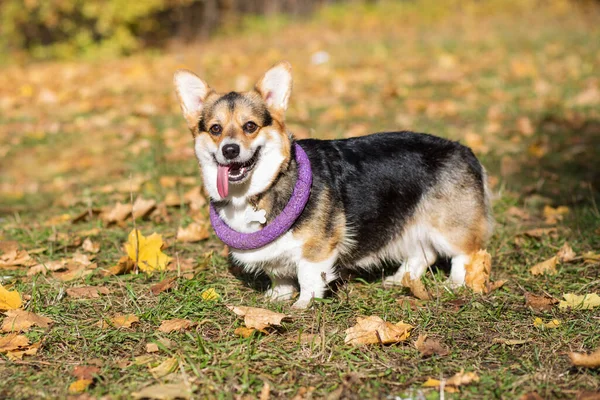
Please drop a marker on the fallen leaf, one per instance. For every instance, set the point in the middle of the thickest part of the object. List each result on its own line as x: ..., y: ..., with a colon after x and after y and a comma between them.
x: 116, y: 214
x: 459, y: 379
x: 586, y: 360
x: 12, y: 342
x: 591, y: 257
x: 151, y: 348
x: 177, y: 324
x: 194, y: 232
x: 566, y: 253
x: 164, y: 368
x: 119, y: 321
x: 244, y: 332
x: 21, y: 321
x: 580, y: 302
x: 195, y: 199
x: 539, y: 232
x: 14, y: 257
x: 491, y: 286
x: 85, y: 371
x: 417, y: 288
x: 540, y: 303
x: 147, y: 251
x: 74, y: 271
x: 510, y: 342
x: 258, y: 318
x: 9, y: 300
x: 373, y: 329
x: 553, y: 215
x: 164, y: 392
x: 545, y: 267
x: 478, y: 271
x: 123, y: 266
x: 43, y: 268
x: 265, y: 392
x: 210, y: 295
x: 80, y: 385
x: 29, y: 350
x: 428, y: 347
x: 538, y: 322
x: 142, y: 207
x: 87, y: 292
x: 90, y: 246
x: 163, y: 285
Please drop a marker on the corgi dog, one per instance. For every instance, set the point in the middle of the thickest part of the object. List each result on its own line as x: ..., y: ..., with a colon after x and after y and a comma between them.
x: 304, y: 210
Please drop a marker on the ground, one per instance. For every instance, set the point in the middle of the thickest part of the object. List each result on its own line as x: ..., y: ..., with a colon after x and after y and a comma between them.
x: 518, y: 82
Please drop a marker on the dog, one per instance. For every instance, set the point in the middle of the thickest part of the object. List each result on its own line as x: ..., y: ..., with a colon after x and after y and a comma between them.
x: 304, y: 210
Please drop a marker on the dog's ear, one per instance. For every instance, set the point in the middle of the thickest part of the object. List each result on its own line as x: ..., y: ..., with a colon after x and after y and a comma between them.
x: 192, y: 91
x: 276, y: 85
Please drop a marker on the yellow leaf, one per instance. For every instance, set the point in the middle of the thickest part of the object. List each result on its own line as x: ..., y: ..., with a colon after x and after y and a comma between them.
x: 244, y: 332
x: 164, y: 368
x: 147, y: 251
x: 432, y: 383
x: 210, y: 294
x: 478, y: 271
x: 538, y: 322
x: 373, y: 329
x: 580, y: 302
x: 80, y: 385
x: 545, y: 267
x: 9, y: 300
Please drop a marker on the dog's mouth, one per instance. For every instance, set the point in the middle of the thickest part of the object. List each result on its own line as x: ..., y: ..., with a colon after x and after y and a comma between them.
x: 234, y: 172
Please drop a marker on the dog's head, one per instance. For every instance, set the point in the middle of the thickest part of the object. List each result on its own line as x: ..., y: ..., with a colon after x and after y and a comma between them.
x: 240, y: 137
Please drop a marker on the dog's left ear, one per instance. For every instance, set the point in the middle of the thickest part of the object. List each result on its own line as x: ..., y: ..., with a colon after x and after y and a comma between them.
x: 276, y: 85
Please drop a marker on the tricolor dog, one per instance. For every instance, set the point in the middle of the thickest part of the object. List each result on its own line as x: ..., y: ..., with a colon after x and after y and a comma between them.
x: 303, y: 210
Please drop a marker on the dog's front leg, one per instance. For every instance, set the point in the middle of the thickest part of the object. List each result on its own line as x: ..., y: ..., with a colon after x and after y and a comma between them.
x: 313, y: 278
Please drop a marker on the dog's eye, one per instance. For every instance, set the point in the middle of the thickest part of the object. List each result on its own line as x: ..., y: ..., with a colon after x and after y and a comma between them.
x: 250, y: 127
x: 216, y: 129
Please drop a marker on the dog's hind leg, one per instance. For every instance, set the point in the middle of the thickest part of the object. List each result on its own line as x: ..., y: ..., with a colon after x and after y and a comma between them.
x: 281, y: 289
x: 416, y: 265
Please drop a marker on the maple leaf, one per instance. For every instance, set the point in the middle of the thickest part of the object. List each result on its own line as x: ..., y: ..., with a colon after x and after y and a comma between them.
x: 539, y: 302
x: 580, y: 302
x: 85, y: 371
x: 566, y: 253
x: 9, y: 300
x: 21, y: 321
x: 123, y: 266
x: 119, y: 321
x: 43, y: 268
x: 87, y: 292
x: 373, y: 329
x: 258, y: 318
x: 194, y: 232
x: 163, y: 285
x: 210, y: 295
x: 428, y: 347
x: 177, y: 324
x: 586, y: 360
x: 545, y: 267
x: 478, y: 271
x: 12, y: 342
x: 147, y: 252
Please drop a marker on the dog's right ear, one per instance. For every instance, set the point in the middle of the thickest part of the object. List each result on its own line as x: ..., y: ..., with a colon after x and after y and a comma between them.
x: 192, y: 91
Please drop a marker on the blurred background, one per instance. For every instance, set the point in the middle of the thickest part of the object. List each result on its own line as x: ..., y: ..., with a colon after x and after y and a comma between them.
x: 88, y: 113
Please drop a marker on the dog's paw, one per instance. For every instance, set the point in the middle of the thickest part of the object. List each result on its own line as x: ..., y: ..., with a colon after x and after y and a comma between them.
x: 302, y: 304
x: 280, y: 293
x: 453, y: 284
x: 392, y: 281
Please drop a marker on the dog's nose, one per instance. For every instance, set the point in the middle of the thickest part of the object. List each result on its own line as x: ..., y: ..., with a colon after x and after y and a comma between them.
x: 231, y: 151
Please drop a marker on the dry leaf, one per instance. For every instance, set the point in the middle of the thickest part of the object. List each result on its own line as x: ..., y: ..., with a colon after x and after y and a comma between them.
x: 163, y: 285
x: 74, y: 271
x: 123, y: 266
x: 177, y: 324
x: 459, y: 379
x: 586, y: 360
x: 21, y: 321
x: 85, y: 371
x: 90, y: 246
x: 416, y: 287
x: 258, y: 318
x: 540, y: 303
x: 566, y: 253
x: 43, y: 268
x: 166, y: 367
x: 14, y: 257
x: 80, y: 385
x: 142, y: 207
x: 87, y: 292
x: 12, y: 342
x: 210, y: 295
x: 545, y: 267
x: 194, y: 232
x: 428, y: 347
x: 146, y: 251
x: 537, y: 322
x: 539, y: 232
x: 244, y: 332
x: 195, y: 199
x: 591, y: 257
x: 491, y: 286
x: 164, y: 392
x: 580, y: 302
x: 151, y: 348
x: 553, y: 215
x: 29, y: 350
x: 373, y: 329
x: 119, y: 321
x: 116, y: 214
x: 9, y: 300
x: 478, y: 271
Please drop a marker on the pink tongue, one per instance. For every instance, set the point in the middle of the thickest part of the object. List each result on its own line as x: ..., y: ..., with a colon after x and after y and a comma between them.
x: 223, y: 181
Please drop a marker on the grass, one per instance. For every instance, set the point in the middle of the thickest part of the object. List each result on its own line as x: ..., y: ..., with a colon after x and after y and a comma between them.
x: 469, y: 73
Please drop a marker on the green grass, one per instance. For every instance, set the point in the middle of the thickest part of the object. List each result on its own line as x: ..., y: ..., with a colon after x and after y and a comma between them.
x: 379, y: 71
